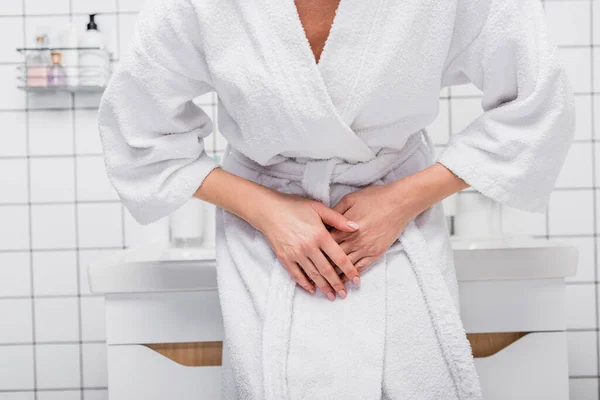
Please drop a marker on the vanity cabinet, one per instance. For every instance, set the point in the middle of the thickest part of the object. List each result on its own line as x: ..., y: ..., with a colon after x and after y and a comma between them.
x: 179, y: 321
x: 512, y: 304
x: 519, y: 325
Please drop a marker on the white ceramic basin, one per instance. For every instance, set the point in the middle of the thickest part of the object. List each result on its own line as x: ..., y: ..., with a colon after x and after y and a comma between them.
x: 154, y: 269
x: 162, y: 269
x: 512, y: 257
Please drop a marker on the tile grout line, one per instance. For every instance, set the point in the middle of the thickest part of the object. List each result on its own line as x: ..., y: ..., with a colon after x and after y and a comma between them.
x: 65, y: 342
x: 70, y: 296
x: 30, y: 223
x: 119, y: 50
x: 594, y: 194
x: 76, y: 227
x: 547, y: 213
x: 69, y: 14
x: 77, y: 252
x: 44, y: 250
x: 50, y: 390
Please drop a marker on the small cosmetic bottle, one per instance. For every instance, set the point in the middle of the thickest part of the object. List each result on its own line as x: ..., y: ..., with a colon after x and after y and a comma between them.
x: 56, y: 74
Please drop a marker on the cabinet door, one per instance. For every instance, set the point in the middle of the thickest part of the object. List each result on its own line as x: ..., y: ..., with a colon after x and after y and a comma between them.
x: 533, y: 367
x: 138, y: 372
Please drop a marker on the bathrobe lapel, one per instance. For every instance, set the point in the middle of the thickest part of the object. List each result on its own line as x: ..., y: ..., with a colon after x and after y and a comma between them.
x: 333, y: 108
x: 342, y: 63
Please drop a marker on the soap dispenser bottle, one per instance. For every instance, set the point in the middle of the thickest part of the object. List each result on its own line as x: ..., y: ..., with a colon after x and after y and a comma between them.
x: 93, y: 59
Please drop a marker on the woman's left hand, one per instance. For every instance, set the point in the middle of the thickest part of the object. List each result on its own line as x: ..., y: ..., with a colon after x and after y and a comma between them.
x: 382, y: 213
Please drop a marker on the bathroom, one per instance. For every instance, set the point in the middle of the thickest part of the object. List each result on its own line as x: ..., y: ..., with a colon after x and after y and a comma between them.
x: 60, y: 214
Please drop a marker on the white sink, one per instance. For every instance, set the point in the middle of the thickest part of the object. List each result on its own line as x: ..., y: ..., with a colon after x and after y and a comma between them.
x: 500, y: 242
x: 512, y: 257
x: 154, y: 269
x: 157, y: 269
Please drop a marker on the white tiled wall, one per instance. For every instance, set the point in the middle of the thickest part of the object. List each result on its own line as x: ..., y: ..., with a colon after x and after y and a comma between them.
x: 59, y: 212
x: 572, y: 216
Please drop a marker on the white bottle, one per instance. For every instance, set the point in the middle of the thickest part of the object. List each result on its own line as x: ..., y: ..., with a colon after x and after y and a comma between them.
x: 70, y: 57
x: 94, y: 62
x: 478, y: 216
x: 186, y: 224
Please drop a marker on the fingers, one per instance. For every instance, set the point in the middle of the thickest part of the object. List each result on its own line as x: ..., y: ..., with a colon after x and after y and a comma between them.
x: 348, y: 246
x: 361, y: 265
x: 335, y: 219
x: 364, y: 262
x: 339, y: 236
x: 343, y: 205
x: 296, y: 273
x: 327, y: 271
x: 313, y: 273
x: 339, y: 258
x: 355, y: 256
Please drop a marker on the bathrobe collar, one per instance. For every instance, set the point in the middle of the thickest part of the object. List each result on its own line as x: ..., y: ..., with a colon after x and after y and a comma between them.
x: 331, y: 85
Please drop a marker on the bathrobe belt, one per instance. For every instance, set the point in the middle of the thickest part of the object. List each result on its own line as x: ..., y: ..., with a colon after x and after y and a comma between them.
x: 316, y: 177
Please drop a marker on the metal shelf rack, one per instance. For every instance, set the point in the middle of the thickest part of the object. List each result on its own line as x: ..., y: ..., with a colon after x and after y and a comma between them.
x: 32, y: 79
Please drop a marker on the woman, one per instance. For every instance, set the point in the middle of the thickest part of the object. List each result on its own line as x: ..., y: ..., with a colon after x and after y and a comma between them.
x: 329, y: 188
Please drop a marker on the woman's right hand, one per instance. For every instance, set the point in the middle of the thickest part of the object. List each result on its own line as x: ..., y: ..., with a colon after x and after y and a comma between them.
x: 295, y: 228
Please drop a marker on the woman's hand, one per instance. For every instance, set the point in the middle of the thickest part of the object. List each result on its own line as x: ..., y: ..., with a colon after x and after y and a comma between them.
x: 383, y: 211
x: 294, y: 225
x: 295, y: 228
x: 382, y: 214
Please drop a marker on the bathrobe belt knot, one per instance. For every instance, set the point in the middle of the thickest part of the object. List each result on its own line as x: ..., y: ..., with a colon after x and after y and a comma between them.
x: 316, y: 175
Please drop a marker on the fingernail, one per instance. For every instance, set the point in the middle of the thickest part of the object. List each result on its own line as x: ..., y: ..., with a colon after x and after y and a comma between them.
x: 356, y: 280
x: 352, y: 224
x: 342, y: 294
x: 331, y: 296
x: 312, y: 291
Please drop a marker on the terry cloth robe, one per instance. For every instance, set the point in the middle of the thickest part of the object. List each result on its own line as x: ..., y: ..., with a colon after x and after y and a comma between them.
x: 358, y: 117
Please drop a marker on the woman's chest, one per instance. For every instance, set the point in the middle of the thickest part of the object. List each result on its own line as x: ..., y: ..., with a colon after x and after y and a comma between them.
x: 317, y: 17
x: 379, y: 62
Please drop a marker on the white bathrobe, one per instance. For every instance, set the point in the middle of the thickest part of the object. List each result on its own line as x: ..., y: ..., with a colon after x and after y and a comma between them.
x: 356, y: 118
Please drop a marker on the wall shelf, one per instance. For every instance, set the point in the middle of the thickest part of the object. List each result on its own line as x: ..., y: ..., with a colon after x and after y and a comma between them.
x: 26, y: 49
x: 33, y: 79
x: 63, y: 89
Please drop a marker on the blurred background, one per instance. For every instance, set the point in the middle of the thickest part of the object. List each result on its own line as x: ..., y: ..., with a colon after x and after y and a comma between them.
x: 58, y: 210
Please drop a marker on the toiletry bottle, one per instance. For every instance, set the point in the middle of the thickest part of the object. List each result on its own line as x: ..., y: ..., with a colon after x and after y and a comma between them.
x: 186, y: 225
x: 93, y: 61
x: 37, y: 64
x: 57, y: 76
x: 70, y: 56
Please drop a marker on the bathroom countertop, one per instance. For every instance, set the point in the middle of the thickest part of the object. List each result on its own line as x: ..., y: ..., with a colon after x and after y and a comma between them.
x: 157, y: 268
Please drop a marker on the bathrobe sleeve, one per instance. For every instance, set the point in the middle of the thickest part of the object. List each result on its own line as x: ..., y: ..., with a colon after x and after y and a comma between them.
x: 151, y: 131
x: 514, y: 150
